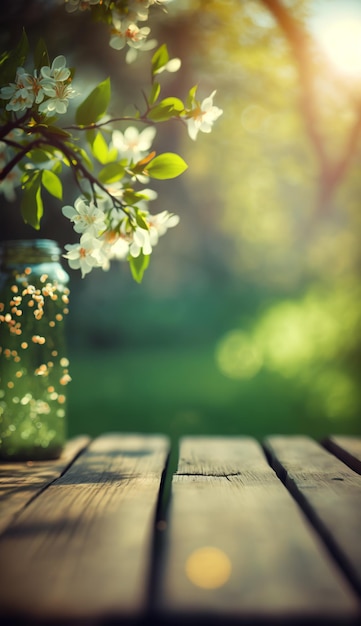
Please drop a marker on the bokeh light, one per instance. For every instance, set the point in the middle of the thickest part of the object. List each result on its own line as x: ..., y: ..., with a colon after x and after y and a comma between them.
x: 304, y: 341
x: 238, y: 356
x: 208, y: 567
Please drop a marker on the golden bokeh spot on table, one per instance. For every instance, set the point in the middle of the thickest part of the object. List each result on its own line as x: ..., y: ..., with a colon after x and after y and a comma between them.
x: 208, y: 567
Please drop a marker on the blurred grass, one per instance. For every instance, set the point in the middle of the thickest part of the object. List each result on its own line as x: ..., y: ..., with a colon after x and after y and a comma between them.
x: 181, y: 391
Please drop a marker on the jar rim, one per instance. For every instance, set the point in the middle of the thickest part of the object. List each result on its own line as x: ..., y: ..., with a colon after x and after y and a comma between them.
x: 38, y: 244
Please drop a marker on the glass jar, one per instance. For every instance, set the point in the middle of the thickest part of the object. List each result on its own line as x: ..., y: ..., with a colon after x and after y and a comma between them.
x: 34, y: 368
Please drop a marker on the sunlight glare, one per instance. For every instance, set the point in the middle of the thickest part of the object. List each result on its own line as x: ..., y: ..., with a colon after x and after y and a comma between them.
x: 340, y: 39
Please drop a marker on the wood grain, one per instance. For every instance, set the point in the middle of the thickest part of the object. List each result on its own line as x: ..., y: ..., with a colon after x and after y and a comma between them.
x: 82, y: 549
x: 330, y: 493
x: 21, y: 482
x: 348, y: 449
x: 226, y: 497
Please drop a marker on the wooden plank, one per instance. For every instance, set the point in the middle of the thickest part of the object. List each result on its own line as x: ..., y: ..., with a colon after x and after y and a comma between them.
x: 238, y: 547
x: 21, y: 482
x: 82, y: 549
x: 348, y: 449
x: 329, y: 492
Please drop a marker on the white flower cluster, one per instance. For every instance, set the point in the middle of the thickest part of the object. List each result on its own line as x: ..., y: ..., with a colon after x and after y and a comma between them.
x: 107, y: 232
x: 125, y: 17
x: 51, y: 90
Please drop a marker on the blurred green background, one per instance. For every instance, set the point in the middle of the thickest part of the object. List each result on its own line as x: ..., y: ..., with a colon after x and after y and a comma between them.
x: 248, y: 318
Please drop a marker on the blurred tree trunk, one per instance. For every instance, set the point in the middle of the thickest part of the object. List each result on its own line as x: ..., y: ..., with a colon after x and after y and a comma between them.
x: 331, y: 171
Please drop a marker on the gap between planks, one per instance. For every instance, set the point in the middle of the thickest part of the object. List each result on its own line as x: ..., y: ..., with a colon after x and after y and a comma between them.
x: 160, y: 531
x: 203, y: 510
x: 322, y: 480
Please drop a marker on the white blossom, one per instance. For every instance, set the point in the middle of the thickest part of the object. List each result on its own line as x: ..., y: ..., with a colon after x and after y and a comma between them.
x: 159, y: 224
x: 132, y: 53
x: 128, y: 33
x: 202, y: 118
x: 140, y: 243
x: 86, y: 254
x: 139, y: 9
x: 34, y: 86
x: 55, y: 83
x: 173, y: 65
x: 142, y: 204
x: 19, y: 95
x: 59, y: 94
x: 86, y: 217
x: 58, y: 70
x: 132, y: 144
x: 116, y: 246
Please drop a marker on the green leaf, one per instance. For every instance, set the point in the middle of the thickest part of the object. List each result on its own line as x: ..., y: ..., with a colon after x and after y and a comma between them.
x: 49, y: 150
x: 90, y: 135
x: 166, y: 109
x: 131, y: 197
x: 111, y: 173
x: 95, y: 105
x: 167, y: 165
x: 141, y: 221
x: 57, y: 167
x: 138, y: 266
x: 100, y: 148
x: 112, y: 155
x: 38, y: 156
x: 160, y: 59
x: 11, y: 60
x: 31, y: 203
x: 41, y: 56
x: 191, y: 97
x: 160, y: 113
x: 175, y: 103
x: 154, y: 94
x: 52, y: 184
x: 65, y: 160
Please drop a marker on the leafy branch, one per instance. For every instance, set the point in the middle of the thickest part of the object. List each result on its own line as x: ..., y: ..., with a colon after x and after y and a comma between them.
x: 111, y: 213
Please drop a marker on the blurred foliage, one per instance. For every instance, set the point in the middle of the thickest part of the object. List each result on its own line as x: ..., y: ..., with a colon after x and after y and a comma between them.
x: 312, y: 342
x: 248, y: 320
x: 267, y: 168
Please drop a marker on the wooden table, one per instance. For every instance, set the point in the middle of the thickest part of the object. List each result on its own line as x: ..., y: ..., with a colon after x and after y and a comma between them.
x: 241, y: 533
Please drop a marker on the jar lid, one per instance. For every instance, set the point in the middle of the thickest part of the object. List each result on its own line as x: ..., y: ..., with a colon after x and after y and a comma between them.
x: 29, y: 250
